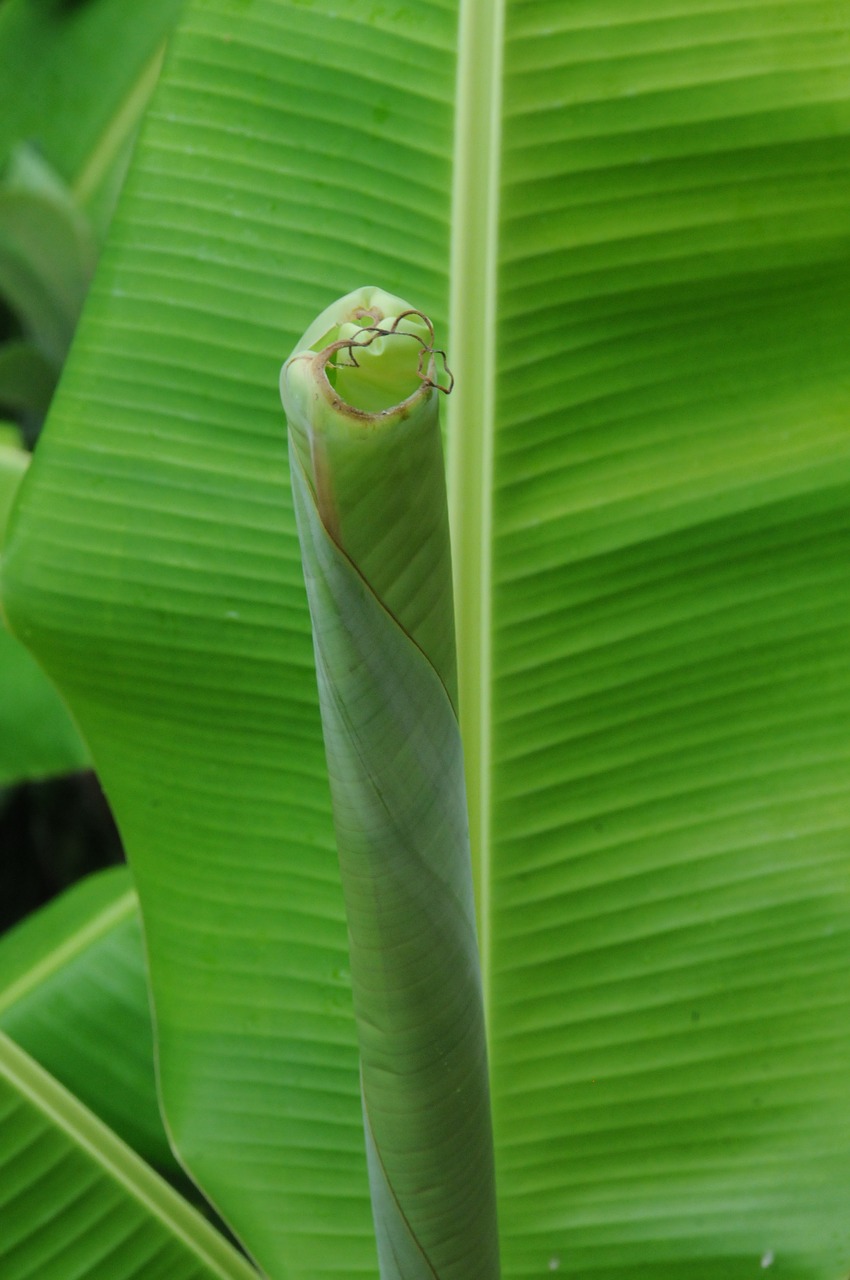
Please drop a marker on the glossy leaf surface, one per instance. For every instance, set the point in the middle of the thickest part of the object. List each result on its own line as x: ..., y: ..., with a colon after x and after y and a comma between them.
x: 14, y: 461
x: 646, y: 273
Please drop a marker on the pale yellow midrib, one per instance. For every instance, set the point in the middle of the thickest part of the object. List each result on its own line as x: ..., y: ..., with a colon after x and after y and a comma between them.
x: 73, y: 946
x: 121, y: 124
x: 472, y: 324
x: 119, y: 1162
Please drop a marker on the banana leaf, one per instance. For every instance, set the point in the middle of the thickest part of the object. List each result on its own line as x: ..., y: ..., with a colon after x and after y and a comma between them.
x: 73, y: 996
x: 74, y: 1201
x: 631, y: 222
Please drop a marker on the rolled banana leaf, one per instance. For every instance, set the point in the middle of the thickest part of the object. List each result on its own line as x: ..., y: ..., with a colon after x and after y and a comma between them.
x: 361, y: 397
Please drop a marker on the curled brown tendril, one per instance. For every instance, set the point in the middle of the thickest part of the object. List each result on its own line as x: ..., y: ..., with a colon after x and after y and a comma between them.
x: 429, y: 376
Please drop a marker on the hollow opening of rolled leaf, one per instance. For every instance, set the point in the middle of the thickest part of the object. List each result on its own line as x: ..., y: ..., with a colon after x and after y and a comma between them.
x: 376, y: 366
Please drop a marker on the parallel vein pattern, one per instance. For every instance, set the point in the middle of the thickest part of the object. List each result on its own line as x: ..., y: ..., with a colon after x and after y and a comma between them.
x: 668, y: 913
x: 279, y: 167
x: 73, y: 996
x: 672, y: 530
x: 110, y: 1217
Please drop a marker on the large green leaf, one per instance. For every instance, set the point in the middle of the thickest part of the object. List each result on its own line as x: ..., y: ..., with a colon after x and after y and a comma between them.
x: 73, y: 995
x: 37, y: 735
x: 27, y: 378
x: 647, y: 278
x: 76, y: 1204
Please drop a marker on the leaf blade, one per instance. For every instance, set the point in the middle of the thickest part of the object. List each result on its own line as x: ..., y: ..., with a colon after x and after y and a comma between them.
x: 214, y: 600
x: 74, y: 998
x: 667, y: 572
x: 140, y: 1226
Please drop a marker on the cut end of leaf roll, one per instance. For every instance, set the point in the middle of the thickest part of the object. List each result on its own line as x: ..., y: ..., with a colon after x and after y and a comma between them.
x: 370, y: 355
x: 360, y: 393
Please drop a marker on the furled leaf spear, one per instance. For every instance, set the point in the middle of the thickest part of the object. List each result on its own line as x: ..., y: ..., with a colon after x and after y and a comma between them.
x: 361, y: 396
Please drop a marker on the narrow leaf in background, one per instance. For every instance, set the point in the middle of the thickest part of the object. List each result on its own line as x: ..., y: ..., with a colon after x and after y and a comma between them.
x: 74, y: 79
x: 47, y: 253
x: 14, y: 461
x: 37, y: 736
x: 110, y: 1216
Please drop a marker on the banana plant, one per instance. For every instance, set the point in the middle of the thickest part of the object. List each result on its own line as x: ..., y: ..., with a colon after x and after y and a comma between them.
x: 628, y: 223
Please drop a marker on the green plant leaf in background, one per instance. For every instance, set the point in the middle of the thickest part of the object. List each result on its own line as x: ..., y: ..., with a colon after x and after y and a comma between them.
x: 47, y: 253
x: 73, y: 996
x: 637, y: 217
x: 14, y: 461
x: 37, y: 736
x: 110, y: 1216
x: 74, y: 79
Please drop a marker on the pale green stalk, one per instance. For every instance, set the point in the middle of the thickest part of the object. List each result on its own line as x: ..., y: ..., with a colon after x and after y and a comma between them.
x: 14, y: 461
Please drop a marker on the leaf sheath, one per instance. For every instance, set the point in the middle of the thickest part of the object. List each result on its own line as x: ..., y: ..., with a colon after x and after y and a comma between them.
x: 386, y: 685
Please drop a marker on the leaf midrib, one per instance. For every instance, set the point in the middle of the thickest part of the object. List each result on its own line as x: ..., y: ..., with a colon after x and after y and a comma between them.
x: 121, y: 1163
x: 119, y: 128
x: 69, y: 948
x: 471, y: 409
